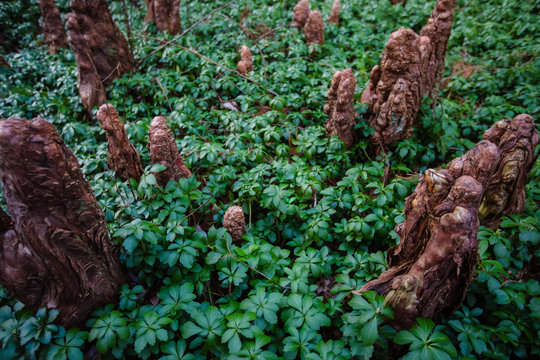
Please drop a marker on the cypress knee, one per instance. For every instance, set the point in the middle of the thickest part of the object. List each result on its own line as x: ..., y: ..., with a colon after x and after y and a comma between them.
x: 101, y: 50
x: 314, y: 29
x: 340, y: 107
x: 56, y: 253
x: 52, y: 26
x: 163, y: 150
x: 301, y: 14
x: 123, y: 158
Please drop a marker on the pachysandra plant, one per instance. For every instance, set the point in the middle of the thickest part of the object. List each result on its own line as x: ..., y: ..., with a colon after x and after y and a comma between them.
x: 56, y: 251
x: 122, y: 155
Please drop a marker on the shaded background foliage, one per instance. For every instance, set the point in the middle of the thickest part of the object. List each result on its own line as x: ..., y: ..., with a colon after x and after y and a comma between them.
x: 317, y: 214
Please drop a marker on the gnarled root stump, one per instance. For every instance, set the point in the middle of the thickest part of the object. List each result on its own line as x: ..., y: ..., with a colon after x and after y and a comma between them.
x: 431, y: 268
x: 314, y: 29
x: 56, y: 253
x: 123, y: 158
x: 411, y: 67
x: 334, y: 13
x: 101, y: 51
x: 166, y: 15
x: 301, y: 14
x: 235, y: 222
x: 52, y: 26
x: 340, y: 107
x: 163, y: 150
x: 505, y: 194
x: 245, y: 65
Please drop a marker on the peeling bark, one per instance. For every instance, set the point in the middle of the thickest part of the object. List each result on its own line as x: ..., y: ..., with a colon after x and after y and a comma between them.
x: 234, y: 222
x: 340, y: 107
x: 101, y: 50
x: 123, y: 158
x: 52, y: 26
x: 166, y: 15
x: 57, y: 252
x: 245, y: 65
x: 301, y: 14
x: 505, y: 194
x: 411, y: 67
x: 432, y: 267
x: 314, y: 29
x: 334, y: 13
x: 163, y: 150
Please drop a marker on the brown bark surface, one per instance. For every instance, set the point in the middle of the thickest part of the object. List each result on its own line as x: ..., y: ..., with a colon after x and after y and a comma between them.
x: 57, y: 253
x: 314, y: 29
x: 235, y: 222
x: 101, y: 50
x: 123, y: 158
x: 334, y: 13
x: 166, y: 15
x: 163, y: 150
x: 52, y: 26
x: 245, y: 65
x: 431, y: 268
x: 394, y: 92
x: 301, y: 14
x: 340, y: 107
x: 505, y: 194
x: 411, y: 67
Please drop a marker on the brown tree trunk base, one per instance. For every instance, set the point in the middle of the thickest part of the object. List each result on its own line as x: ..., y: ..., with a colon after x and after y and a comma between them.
x: 56, y: 253
x: 52, y: 26
x: 166, y: 15
x: 101, y: 50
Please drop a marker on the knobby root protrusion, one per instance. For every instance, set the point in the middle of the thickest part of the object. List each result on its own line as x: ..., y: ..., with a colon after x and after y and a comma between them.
x: 123, y: 158
x: 340, y: 107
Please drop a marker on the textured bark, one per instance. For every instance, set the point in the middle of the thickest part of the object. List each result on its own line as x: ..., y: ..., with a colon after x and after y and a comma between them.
x: 334, y: 13
x: 166, y: 15
x: 437, y: 30
x: 245, y: 65
x: 314, y: 29
x: 234, y: 222
x: 517, y: 140
x: 57, y: 252
x: 394, y: 92
x: 163, y: 150
x: 101, y: 50
x: 411, y: 67
x: 340, y: 107
x: 301, y: 14
x: 52, y: 26
x: 431, y: 269
x: 123, y: 158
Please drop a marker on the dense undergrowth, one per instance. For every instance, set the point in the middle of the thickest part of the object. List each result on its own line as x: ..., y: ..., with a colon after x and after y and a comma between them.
x: 318, y: 215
